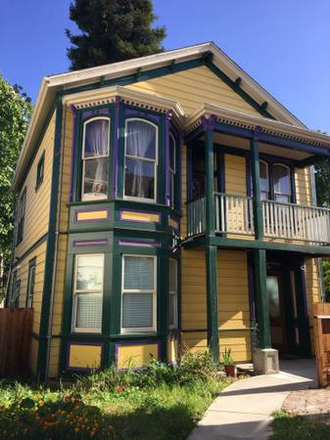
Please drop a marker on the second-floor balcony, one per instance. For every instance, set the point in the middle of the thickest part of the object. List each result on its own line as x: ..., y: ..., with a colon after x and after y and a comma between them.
x: 286, y: 221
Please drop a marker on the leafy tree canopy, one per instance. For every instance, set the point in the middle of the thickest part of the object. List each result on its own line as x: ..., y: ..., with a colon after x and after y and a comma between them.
x: 15, y: 111
x: 112, y: 30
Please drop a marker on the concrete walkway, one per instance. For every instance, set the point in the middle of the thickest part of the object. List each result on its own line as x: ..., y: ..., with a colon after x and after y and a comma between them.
x: 243, y: 410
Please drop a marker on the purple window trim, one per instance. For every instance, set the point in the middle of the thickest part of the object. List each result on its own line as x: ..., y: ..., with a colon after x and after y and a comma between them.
x: 83, y: 369
x: 97, y: 112
x: 179, y: 170
x: 137, y: 243
x: 92, y: 220
x: 74, y: 112
x: 96, y: 242
x: 134, y: 343
x: 208, y: 123
x: 168, y: 117
x: 116, y: 147
x: 130, y: 113
x: 140, y: 212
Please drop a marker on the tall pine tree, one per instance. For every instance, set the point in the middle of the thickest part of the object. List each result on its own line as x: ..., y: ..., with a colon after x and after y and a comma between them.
x: 112, y: 30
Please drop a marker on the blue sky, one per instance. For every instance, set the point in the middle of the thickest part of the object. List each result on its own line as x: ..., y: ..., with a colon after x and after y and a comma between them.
x: 283, y: 44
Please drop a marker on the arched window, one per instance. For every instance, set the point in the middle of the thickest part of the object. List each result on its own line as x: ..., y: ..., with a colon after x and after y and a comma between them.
x: 172, y: 170
x: 95, y: 158
x: 141, y: 160
x: 282, y: 183
x: 264, y: 180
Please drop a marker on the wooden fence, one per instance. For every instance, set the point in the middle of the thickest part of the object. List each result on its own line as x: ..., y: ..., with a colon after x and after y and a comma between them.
x: 15, y: 341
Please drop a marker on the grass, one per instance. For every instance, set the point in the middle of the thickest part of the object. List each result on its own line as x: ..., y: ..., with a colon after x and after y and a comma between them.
x: 290, y: 427
x: 158, y: 403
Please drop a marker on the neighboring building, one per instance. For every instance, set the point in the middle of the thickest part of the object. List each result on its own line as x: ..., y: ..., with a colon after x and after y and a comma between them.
x: 165, y: 201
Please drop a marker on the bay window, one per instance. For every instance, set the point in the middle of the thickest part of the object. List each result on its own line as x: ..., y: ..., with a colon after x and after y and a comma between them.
x: 139, y: 291
x: 141, y: 144
x: 88, y: 293
x: 282, y: 183
x: 173, y: 294
x: 95, y: 158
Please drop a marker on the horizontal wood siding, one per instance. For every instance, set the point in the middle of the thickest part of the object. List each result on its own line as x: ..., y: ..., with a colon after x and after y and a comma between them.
x: 38, y: 202
x: 235, y: 175
x: 303, y: 186
x: 23, y: 274
x: 193, y: 88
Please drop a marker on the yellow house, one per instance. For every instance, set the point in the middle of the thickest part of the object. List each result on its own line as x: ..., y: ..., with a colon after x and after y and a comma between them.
x: 163, y: 202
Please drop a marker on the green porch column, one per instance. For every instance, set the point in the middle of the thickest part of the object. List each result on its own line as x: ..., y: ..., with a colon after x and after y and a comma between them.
x: 211, y: 251
x: 262, y: 300
x: 255, y: 171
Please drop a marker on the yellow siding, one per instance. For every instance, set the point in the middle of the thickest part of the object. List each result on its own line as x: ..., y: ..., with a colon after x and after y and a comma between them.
x: 193, y: 88
x: 85, y: 356
x: 38, y: 202
x: 136, y: 356
x: 235, y: 174
x: 23, y: 273
x: 303, y: 186
x: 34, y: 355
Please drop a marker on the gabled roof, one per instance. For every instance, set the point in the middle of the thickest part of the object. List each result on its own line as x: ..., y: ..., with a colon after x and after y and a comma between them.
x: 96, y: 75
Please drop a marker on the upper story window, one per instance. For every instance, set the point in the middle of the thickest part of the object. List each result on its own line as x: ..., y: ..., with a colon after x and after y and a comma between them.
x: 172, y: 170
x: 282, y: 183
x: 264, y: 180
x: 141, y: 160
x: 31, y: 282
x: 40, y: 171
x: 21, y: 216
x: 95, y: 158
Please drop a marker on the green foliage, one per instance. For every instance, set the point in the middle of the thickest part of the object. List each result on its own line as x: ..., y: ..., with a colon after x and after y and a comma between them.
x: 322, y: 183
x: 297, y: 428
x: 227, y: 357
x: 112, y: 30
x: 15, y: 111
x: 159, y: 402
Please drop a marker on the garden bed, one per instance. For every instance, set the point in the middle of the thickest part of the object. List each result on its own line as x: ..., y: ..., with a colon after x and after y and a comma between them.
x: 158, y: 403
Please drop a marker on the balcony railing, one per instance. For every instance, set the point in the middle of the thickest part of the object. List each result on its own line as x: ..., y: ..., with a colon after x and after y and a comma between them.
x: 234, y: 215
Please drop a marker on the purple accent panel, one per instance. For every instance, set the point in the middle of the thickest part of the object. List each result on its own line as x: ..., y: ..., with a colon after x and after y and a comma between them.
x: 167, y: 160
x: 74, y: 112
x: 116, y: 147
x: 97, y: 344
x: 208, y: 123
x: 132, y: 343
x: 130, y: 113
x: 92, y: 220
x: 137, y: 243
x: 99, y: 112
x: 140, y: 212
x: 100, y: 242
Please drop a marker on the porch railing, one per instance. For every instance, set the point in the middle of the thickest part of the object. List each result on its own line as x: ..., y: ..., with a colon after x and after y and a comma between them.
x: 234, y: 215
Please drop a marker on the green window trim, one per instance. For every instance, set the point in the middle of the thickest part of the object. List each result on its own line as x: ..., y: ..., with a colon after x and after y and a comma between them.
x: 40, y: 171
x: 30, y: 284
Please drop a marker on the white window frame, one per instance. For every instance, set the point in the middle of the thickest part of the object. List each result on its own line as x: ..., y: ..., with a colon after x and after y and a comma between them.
x: 30, y: 285
x: 173, y: 172
x: 175, y: 294
x: 153, y: 329
x: 76, y: 292
x: 86, y: 197
x: 154, y: 161
x: 290, y: 185
x: 268, y: 182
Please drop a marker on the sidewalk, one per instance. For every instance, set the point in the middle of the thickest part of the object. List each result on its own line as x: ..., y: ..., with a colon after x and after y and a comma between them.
x: 243, y: 410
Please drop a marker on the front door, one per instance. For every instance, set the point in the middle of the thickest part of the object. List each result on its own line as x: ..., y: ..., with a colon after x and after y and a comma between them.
x: 276, y: 310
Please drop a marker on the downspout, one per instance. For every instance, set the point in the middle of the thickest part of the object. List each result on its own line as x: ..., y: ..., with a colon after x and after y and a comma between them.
x: 56, y: 247
x: 318, y: 260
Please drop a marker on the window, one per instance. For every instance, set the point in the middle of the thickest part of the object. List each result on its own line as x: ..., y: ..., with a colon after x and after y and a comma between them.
x: 282, y: 183
x: 95, y: 158
x: 30, y: 285
x: 141, y: 160
x: 139, y: 280
x: 172, y: 171
x: 21, y: 216
x: 88, y: 293
x: 14, y: 290
x: 40, y: 171
x: 264, y: 180
x: 173, y: 294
